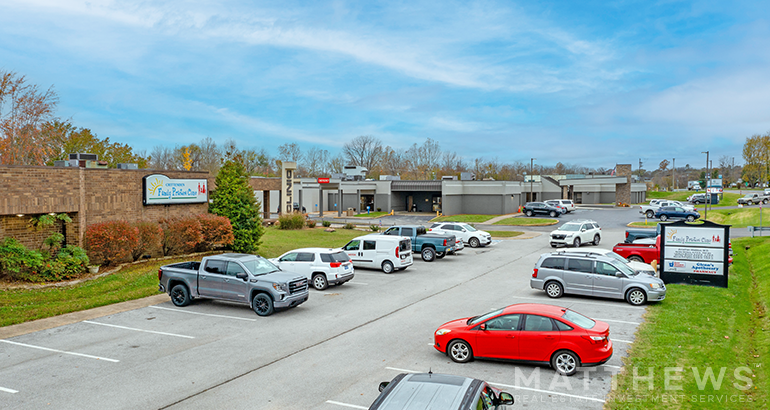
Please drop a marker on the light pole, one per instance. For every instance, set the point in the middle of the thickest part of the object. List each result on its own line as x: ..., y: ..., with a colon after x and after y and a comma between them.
x: 673, y: 175
x: 708, y: 177
x: 531, y: 179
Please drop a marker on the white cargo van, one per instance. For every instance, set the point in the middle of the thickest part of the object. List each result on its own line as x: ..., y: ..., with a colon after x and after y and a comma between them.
x: 384, y: 252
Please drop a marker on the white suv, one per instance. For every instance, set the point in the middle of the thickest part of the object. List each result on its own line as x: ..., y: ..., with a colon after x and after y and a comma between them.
x: 470, y: 235
x: 322, y: 266
x: 577, y: 232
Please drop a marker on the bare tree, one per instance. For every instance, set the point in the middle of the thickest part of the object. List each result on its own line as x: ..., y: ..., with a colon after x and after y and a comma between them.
x: 23, y: 110
x: 316, y: 160
x: 363, y: 151
x: 290, y: 152
x: 336, y: 164
x: 161, y: 158
x: 210, y: 156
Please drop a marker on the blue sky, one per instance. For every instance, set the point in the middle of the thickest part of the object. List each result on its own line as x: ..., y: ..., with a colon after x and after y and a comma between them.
x: 589, y: 83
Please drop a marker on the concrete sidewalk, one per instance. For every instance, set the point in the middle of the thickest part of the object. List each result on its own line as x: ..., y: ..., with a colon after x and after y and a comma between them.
x: 74, y: 317
x: 499, y: 218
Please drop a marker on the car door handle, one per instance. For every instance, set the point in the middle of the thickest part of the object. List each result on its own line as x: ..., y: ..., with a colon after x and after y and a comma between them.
x: 509, y: 336
x: 549, y: 337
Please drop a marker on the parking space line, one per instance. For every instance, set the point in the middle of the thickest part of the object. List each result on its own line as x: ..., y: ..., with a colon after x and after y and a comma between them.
x: 3, y: 389
x: 138, y: 330
x: 621, y: 341
x: 609, y: 365
x: 548, y: 392
x: 203, y: 314
x: 619, y: 321
x: 60, y: 351
x: 517, y: 387
x: 352, y: 406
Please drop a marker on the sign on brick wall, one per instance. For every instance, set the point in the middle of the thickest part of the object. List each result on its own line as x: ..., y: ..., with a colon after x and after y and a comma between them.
x: 162, y: 190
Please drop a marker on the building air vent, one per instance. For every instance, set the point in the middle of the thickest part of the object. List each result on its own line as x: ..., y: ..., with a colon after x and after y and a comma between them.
x: 128, y: 166
x: 84, y: 157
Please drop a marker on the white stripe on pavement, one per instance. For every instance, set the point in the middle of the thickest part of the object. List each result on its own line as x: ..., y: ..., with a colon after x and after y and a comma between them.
x: 352, y: 406
x: 356, y: 283
x: 203, y: 314
x: 138, y: 330
x: 402, y: 370
x: 3, y: 389
x: 61, y: 351
x: 609, y: 365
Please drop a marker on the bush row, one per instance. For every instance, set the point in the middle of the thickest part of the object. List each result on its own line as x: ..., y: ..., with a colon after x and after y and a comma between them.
x: 114, y: 242
x: 19, y: 263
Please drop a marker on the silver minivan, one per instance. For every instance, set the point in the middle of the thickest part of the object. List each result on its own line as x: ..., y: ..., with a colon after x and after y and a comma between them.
x: 592, y: 274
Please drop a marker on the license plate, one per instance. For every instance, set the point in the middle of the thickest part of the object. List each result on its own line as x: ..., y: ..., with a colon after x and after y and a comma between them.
x: 347, y: 267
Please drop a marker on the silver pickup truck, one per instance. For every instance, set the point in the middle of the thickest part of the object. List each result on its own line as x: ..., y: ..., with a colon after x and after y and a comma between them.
x: 235, y: 277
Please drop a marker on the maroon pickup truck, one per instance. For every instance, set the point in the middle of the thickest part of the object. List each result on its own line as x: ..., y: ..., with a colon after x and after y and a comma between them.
x: 641, y: 252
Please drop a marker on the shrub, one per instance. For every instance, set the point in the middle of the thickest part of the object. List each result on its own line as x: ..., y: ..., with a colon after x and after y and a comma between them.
x: 349, y: 226
x: 294, y: 220
x: 69, y: 263
x: 379, y: 209
x: 111, y: 242
x: 216, y: 231
x: 326, y: 223
x: 311, y: 223
x: 17, y: 262
x: 374, y: 228
x: 180, y: 235
x: 150, y: 239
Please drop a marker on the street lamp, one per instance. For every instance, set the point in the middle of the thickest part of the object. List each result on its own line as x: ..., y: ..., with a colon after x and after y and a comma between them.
x: 708, y: 177
x: 531, y: 179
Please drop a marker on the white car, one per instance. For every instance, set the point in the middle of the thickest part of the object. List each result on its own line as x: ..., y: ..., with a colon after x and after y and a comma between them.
x: 389, y: 253
x: 576, y: 233
x: 471, y: 236
x: 566, y: 203
x: 322, y: 266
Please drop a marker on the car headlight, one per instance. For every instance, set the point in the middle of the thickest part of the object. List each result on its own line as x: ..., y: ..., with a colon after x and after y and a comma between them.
x: 441, y: 332
x: 279, y: 287
x: 655, y: 285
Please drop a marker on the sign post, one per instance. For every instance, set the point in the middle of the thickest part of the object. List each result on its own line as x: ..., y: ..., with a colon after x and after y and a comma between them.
x: 694, y: 254
x: 287, y: 185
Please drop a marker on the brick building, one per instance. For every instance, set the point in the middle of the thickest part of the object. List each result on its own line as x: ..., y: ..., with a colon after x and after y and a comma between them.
x: 87, y: 195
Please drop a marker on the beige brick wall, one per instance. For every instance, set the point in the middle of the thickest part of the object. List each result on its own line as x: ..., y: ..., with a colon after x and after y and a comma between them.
x: 88, y: 195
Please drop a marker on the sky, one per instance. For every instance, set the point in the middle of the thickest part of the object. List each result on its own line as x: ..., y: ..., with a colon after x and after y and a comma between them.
x: 588, y: 83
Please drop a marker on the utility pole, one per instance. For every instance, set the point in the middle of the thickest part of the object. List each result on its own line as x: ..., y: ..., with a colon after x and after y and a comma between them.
x: 673, y: 174
x: 708, y: 178
x: 531, y: 179
x: 640, y: 170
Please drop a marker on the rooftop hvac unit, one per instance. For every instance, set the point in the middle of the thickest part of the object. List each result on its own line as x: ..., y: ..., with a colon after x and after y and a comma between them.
x: 84, y: 157
x: 128, y: 166
x: 62, y: 164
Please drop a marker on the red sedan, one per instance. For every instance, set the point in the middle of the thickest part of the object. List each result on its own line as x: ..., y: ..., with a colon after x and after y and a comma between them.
x: 528, y: 332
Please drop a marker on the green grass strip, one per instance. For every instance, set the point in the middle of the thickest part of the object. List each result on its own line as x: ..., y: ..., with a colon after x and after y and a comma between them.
x: 469, y: 218
x: 371, y: 215
x: 739, y: 218
x: 505, y: 234
x: 698, y: 328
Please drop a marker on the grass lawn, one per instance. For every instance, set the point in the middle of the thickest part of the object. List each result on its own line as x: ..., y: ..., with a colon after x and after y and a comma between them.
x: 649, y: 224
x: 698, y: 328
x: 505, y: 234
x: 525, y: 221
x: 739, y: 218
x: 728, y: 198
x: 371, y: 215
x: 469, y: 218
x: 141, y: 280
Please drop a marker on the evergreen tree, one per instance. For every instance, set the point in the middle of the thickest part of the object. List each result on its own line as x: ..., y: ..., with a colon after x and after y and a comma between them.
x: 235, y: 200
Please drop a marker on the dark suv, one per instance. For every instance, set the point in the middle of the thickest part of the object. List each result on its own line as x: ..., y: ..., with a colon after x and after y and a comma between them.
x: 428, y: 391
x: 532, y: 208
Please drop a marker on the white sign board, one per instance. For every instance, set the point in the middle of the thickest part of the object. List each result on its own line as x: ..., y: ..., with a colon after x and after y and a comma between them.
x: 714, y: 190
x: 162, y: 190
x: 701, y: 268
x: 695, y: 236
x: 695, y: 254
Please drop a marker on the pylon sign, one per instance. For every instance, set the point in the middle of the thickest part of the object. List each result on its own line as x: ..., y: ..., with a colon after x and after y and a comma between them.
x: 696, y: 254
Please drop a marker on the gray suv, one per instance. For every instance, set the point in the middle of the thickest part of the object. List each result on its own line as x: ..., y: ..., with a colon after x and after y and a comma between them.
x: 593, y: 274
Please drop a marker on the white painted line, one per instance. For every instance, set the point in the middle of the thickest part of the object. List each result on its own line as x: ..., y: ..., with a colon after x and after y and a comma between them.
x: 3, y: 389
x: 609, y: 365
x: 619, y: 321
x: 203, y: 314
x: 402, y: 370
x: 517, y: 387
x: 352, y: 406
x: 138, y: 330
x: 61, y: 351
x: 550, y: 301
x: 621, y: 341
x: 548, y: 392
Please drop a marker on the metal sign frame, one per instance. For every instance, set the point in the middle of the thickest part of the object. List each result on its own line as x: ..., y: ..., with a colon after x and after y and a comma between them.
x: 691, y: 258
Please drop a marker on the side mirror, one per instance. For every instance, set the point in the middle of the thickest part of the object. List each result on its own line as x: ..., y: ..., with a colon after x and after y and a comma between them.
x: 505, y: 398
x: 242, y: 275
x: 583, y: 230
x: 465, y: 230
x: 620, y: 274
x: 483, y: 326
x: 383, y: 385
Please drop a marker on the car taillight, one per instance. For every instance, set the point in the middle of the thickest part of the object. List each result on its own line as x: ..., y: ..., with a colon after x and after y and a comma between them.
x: 397, y: 251
x: 335, y: 264
x: 160, y: 273
x: 596, y: 339
x: 444, y: 242
x: 626, y: 234
x: 534, y: 274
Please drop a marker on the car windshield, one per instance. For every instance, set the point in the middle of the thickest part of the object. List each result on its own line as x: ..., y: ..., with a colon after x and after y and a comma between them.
x: 570, y: 227
x: 259, y: 266
x: 749, y: 196
x: 468, y: 227
x: 578, y: 319
x: 477, y: 319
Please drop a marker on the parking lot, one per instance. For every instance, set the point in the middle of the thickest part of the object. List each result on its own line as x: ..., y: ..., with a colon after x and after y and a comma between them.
x: 329, y: 353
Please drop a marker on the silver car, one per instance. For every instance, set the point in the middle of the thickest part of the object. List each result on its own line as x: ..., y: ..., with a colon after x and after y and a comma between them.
x: 592, y: 274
